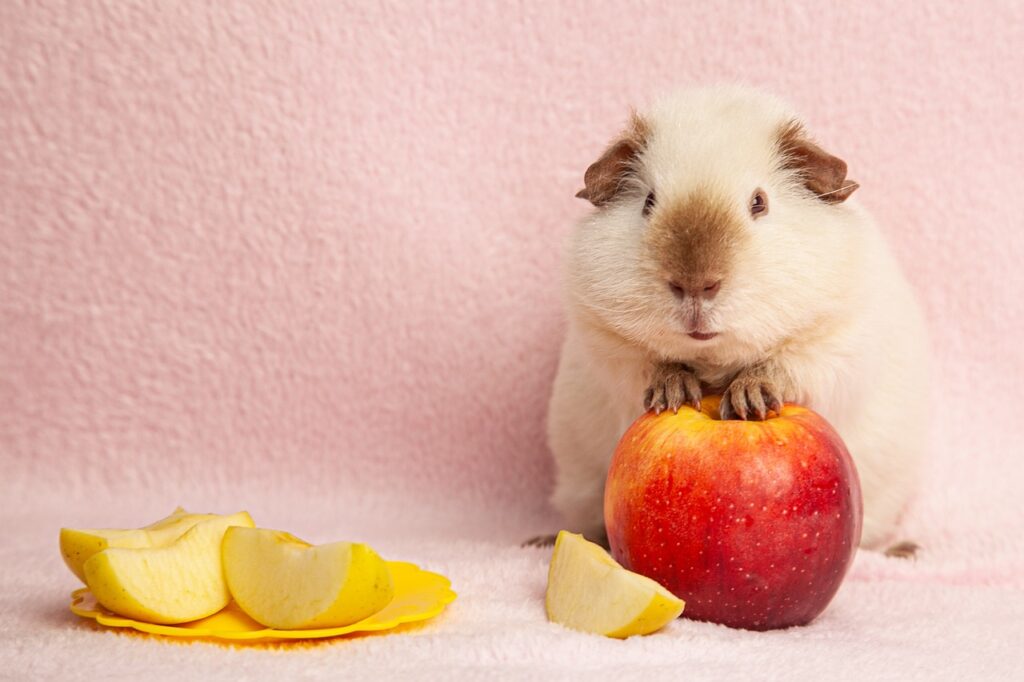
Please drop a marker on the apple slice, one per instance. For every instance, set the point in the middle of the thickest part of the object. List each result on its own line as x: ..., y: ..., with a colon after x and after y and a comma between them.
x: 286, y: 583
x: 589, y: 591
x: 176, y: 583
x: 78, y: 544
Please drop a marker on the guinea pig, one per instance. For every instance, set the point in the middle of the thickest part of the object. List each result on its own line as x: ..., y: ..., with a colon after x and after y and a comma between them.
x: 724, y: 254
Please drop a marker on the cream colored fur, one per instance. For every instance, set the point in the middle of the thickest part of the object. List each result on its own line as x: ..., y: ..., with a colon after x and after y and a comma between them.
x: 815, y: 291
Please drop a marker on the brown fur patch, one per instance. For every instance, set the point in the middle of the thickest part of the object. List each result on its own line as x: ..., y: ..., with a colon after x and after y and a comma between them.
x: 694, y: 239
x: 822, y: 173
x: 603, y: 179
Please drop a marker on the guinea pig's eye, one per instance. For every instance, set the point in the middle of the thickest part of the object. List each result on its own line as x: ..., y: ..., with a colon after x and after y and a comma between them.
x: 758, y: 203
x: 649, y: 204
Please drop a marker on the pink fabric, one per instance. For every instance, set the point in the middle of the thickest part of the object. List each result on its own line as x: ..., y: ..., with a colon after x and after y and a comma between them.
x: 305, y: 256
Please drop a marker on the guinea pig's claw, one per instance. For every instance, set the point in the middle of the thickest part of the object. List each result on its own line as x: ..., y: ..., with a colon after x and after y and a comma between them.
x: 732, y: 408
x: 755, y: 399
x: 539, y: 541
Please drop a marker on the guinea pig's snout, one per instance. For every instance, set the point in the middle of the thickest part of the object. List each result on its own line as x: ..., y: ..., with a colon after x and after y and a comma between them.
x: 699, y: 289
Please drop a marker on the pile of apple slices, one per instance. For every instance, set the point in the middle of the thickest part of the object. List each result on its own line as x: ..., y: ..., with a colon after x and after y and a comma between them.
x: 589, y: 591
x: 189, y: 566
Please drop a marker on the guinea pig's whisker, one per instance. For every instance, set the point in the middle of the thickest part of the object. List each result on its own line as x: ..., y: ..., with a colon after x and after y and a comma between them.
x: 818, y: 196
x: 626, y: 309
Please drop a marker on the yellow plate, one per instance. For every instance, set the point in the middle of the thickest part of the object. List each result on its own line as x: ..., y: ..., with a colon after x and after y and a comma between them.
x: 419, y: 595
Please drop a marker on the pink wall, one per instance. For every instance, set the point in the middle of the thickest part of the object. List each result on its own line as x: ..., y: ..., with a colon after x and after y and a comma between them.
x: 315, y: 245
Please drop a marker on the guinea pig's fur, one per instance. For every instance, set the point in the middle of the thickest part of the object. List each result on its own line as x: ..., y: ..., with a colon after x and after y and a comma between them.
x: 806, y: 300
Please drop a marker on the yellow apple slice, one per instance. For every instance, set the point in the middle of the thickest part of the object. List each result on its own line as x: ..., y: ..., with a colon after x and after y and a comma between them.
x: 589, y: 591
x: 286, y: 583
x: 78, y: 544
x: 177, y: 583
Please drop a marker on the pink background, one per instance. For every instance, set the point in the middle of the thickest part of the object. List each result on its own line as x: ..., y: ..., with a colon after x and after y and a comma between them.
x: 256, y: 251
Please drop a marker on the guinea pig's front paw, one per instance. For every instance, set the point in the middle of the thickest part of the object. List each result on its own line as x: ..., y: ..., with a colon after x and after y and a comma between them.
x: 752, y: 394
x: 672, y: 386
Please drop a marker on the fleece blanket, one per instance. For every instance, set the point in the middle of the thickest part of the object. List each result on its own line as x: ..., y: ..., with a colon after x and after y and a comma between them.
x: 303, y: 259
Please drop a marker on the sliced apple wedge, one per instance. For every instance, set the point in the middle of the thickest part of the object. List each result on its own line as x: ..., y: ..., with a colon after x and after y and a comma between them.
x: 286, y: 583
x: 176, y: 583
x: 78, y: 544
x: 589, y: 591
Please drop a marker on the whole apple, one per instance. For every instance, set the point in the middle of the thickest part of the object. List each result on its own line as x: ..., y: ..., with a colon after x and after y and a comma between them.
x: 752, y: 523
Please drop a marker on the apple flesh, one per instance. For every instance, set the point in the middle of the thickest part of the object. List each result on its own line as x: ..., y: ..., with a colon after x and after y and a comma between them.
x: 588, y: 591
x: 754, y: 524
x: 285, y: 583
x: 77, y: 545
x: 177, y: 583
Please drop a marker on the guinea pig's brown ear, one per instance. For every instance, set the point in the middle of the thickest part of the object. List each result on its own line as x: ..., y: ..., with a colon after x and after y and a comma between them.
x: 822, y: 173
x: 603, y: 179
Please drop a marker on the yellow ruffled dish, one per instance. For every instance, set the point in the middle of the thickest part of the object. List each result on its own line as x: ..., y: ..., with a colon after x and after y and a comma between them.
x: 419, y: 595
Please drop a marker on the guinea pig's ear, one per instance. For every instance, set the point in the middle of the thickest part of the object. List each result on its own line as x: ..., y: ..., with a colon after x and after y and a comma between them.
x: 822, y: 173
x: 603, y: 179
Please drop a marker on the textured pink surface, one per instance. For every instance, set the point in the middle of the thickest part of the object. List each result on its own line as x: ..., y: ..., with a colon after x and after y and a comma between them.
x: 314, y: 247
x: 303, y: 258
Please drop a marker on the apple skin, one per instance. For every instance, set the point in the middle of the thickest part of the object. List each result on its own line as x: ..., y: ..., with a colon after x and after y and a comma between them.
x: 753, y: 524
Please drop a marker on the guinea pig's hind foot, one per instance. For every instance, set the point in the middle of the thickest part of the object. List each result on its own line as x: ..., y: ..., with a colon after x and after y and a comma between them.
x: 549, y: 540
x: 903, y: 550
x: 540, y: 541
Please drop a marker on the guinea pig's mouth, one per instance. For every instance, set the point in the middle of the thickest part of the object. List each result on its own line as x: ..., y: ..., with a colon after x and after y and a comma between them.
x: 696, y: 321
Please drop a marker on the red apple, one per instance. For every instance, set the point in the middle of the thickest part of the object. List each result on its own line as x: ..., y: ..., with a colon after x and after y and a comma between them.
x: 753, y: 524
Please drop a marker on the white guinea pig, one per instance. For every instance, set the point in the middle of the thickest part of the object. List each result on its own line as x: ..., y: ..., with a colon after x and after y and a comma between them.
x: 724, y: 255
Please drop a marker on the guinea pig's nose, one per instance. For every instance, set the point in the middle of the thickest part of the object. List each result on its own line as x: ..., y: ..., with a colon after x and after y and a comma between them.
x: 706, y: 289
x: 710, y: 288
